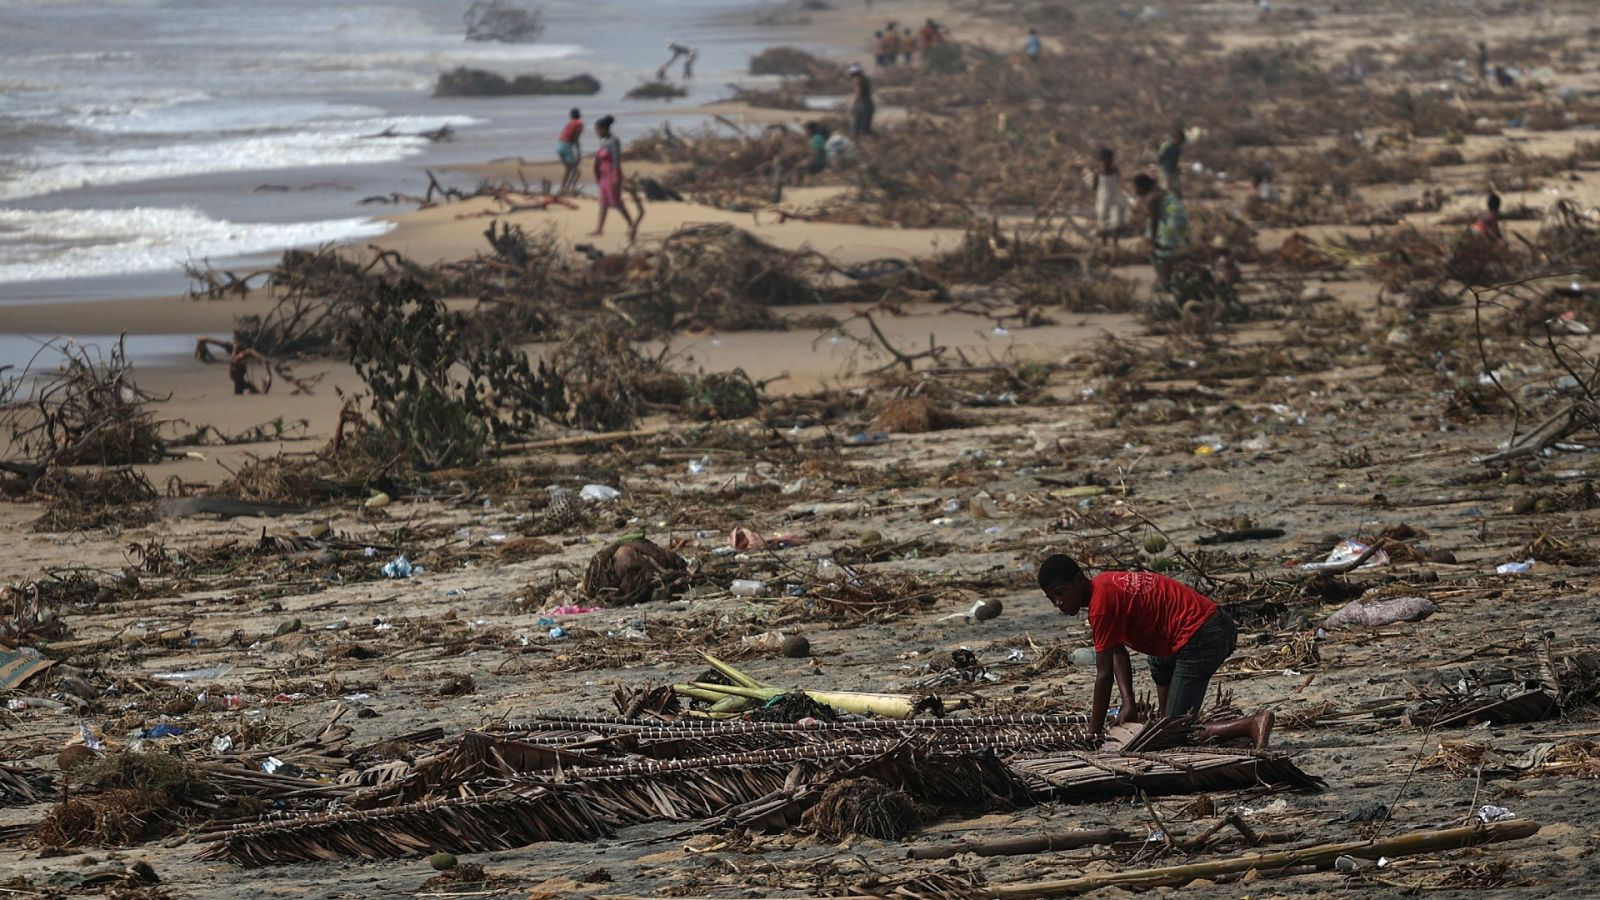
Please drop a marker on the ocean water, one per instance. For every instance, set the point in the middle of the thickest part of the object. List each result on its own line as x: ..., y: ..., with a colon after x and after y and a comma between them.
x: 136, y: 135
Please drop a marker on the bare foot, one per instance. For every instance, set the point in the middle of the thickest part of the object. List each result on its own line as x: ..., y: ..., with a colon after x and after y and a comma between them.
x: 1261, y: 728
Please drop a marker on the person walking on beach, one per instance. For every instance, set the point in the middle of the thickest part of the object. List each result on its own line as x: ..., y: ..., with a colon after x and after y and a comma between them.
x: 1033, y: 46
x: 1169, y: 160
x: 931, y: 34
x: 1186, y: 636
x: 1110, y: 207
x: 908, y: 45
x: 861, y: 105
x: 608, y: 177
x: 569, y: 151
x: 1166, y: 225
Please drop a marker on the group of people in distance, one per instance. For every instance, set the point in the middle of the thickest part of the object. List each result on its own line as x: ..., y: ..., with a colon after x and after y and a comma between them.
x: 894, y: 45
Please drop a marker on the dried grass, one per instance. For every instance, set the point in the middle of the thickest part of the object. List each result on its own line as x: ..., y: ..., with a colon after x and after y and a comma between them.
x: 866, y: 807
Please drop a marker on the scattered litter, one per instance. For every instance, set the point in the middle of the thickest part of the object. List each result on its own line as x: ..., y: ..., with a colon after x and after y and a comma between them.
x: 195, y: 674
x: 747, y: 587
x: 1348, y: 551
x: 1488, y: 814
x: 399, y: 567
x: 598, y: 493
x: 1515, y: 568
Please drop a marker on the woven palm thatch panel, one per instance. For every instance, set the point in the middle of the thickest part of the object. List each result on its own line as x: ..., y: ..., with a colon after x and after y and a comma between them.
x: 691, y: 739
x: 466, y: 825
x: 1088, y: 776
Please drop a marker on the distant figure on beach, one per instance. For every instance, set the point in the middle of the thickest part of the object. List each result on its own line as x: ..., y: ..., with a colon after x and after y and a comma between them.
x: 1033, y: 46
x: 1488, y: 224
x: 908, y: 45
x: 1169, y: 160
x: 1110, y: 208
x: 861, y: 105
x: 569, y: 150
x: 1265, y: 190
x: 608, y: 177
x: 1166, y: 225
x: 679, y: 51
x: 1483, y: 62
x: 930, y: 34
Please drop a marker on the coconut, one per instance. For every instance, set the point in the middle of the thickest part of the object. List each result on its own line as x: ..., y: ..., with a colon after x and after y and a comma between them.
x: 1154, y: 543
x: 441, y: 861
x: 795, y: 646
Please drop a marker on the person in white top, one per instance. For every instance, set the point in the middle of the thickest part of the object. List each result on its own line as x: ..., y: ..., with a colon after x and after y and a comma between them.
x: 1110, y: 206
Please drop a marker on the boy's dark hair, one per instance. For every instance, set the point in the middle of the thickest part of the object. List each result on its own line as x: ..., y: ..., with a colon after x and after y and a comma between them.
x: 574, y: 114
x: 605, y: 121
x: 1058, y: 569
x: 1107, y: 154
x: 1494, y: 202
x: 1143, y: 184
x: 1178, y: 135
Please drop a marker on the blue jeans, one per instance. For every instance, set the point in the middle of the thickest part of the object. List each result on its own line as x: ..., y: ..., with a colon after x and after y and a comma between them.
x: 1187, y: 674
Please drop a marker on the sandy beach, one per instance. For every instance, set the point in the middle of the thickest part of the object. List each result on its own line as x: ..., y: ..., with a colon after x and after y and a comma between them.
x: 824, y: 430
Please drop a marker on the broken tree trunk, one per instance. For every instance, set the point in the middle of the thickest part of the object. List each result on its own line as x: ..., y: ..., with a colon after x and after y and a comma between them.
x: 1322, y: 855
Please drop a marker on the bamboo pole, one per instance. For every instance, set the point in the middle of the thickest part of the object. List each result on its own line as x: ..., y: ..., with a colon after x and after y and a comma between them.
x: 1322, y: 855
x: 578, y: 440
x: 1016, y: 846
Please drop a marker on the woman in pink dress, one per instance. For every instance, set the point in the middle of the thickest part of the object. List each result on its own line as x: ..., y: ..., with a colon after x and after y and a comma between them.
x: 608, y: 177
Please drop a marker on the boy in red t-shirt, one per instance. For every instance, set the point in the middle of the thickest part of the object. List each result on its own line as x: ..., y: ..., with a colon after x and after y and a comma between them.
x: 1186, y: 636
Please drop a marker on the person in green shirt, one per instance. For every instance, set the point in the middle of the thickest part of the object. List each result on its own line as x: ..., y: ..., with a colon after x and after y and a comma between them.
x: 1169, y: 160
x: 1166, y: 224
x: 817, y: 141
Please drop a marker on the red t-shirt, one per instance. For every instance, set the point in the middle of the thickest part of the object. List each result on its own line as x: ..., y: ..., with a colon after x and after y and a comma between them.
x: 1146, y: 612
x: 571, y: 132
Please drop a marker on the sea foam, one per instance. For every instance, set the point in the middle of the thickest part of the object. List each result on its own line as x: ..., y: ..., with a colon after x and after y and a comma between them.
x: 38, y: 245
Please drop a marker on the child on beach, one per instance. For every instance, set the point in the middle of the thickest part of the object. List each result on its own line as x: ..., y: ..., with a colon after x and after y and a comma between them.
x: 817, y: 143
x: 1185, y: 634
x: 1166, y: 225
x: 569, y: 151
x: 608, y: 177
x: 1110, y: 208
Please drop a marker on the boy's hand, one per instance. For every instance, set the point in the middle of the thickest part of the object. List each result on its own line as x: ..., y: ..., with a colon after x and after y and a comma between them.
x: 1127, y: 716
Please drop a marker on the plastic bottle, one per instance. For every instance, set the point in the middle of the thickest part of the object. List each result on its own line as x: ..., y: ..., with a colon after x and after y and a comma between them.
x: 747, y: 587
